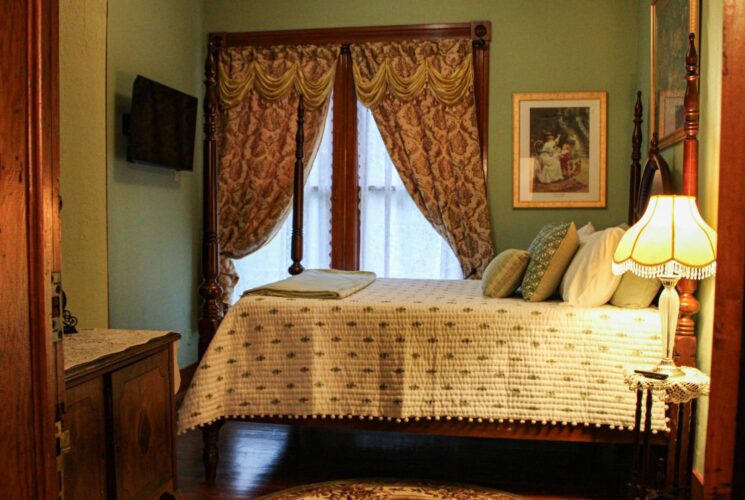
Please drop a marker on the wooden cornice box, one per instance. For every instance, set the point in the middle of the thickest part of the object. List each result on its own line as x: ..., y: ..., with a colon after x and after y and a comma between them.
x: 120, y: 393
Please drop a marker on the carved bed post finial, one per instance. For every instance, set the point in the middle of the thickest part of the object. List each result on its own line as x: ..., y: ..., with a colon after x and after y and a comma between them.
x: 636, y: 156
x: 689, y: 305
x: 690, y: 126
x: 210, y: 290
x: 480, y: 38
x: 297, y: 201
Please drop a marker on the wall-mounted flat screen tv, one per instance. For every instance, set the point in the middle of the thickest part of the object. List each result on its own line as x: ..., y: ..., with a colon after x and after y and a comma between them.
x: 162, y: 125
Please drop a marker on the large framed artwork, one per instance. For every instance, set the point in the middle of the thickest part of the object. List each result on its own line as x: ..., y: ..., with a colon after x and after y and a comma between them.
x: 559, y: 149
x: 672, y: 21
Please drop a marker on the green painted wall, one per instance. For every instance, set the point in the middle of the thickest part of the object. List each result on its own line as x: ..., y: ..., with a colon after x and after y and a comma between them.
x: 710, y: 99
x: 154, y: 215
x: 82, y: 89
x: 551, y: 45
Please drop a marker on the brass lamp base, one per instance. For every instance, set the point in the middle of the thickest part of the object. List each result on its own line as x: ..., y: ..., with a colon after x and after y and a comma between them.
x: 669, y: 368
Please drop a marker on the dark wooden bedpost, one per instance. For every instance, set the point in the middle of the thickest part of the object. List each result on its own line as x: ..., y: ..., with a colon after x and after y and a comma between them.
x: 210, y: 450
x: 297, y: 200
x: 480, y: 38
x: 682, y: 416
x: 636, y: 156
x: 210, y: 290
x: 689, y: 305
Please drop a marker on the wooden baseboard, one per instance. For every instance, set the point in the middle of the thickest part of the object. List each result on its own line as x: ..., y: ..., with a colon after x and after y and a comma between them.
x: 697, y: 486
x: 187, y: 373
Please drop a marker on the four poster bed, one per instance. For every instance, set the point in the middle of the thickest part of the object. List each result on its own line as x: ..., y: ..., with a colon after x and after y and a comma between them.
x: 273, y: 321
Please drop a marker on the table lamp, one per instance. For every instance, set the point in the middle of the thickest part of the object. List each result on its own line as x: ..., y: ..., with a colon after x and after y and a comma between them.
x: 671, y: 241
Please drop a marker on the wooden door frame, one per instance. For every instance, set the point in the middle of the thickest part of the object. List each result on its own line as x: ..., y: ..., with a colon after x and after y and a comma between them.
x: 31, y: 163
x: 727, y: 357
x: 44, y: 252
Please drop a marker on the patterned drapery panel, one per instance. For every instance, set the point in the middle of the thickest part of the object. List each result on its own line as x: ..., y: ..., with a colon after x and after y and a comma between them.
x: 421, y: 95
x: 259, y: 88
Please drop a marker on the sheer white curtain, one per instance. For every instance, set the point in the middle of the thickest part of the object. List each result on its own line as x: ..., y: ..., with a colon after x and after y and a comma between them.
x: 270, y: 263
x: 396, y: 240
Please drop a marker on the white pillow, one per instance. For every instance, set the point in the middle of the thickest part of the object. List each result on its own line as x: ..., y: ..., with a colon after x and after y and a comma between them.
x: 589, y: 280
x: 584, y: 232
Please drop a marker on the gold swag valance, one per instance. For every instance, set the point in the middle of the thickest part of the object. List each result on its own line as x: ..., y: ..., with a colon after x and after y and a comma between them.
x: 274, y: 71
x: 406, y: 69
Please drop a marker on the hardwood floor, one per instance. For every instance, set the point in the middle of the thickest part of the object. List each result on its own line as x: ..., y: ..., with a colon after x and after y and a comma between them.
x: 256, y: 459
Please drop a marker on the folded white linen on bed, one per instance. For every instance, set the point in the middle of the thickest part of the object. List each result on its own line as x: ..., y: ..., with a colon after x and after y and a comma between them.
x: 424, y: 348
x: 317, y: 284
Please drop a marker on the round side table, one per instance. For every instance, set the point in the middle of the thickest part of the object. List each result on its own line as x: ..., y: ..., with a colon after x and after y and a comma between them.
x: 672, y: 390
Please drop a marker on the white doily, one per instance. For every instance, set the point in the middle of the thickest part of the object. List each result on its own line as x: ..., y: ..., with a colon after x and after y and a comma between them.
x: 692, y: 384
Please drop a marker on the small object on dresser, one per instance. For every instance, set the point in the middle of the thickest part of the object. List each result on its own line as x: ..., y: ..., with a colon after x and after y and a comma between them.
x: 654, y: 375
x: 69, y: 322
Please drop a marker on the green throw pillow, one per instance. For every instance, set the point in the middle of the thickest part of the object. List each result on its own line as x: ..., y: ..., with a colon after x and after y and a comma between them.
x: 550, y: 254
x: 635, y: 292
x: 504, y: 273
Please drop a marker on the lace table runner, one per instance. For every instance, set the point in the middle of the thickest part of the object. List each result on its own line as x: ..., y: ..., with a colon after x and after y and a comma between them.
x: 90, y: 345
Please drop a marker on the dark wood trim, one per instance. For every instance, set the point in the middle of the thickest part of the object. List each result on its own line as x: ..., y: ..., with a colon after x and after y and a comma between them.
x: 656, y: 173
x: 345, y: 220
x: 682, y: 417
x: 172, y: 485
x: 727, y: 348
x: 738, y: 483
x: 697, y: 486
x: 481, y: 36
x: 466, y: 427
x: 42, y: 177
x: 296, y: 245
x: 210, y: 290
x: 341, y: 36
x: 636, y: 156
x: 689, y: 304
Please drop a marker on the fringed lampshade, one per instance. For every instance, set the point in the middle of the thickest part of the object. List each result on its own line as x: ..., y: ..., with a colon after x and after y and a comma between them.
x: 671, y: 241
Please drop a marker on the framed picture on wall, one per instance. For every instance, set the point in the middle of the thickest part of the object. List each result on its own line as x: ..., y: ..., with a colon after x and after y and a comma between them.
x: 559, y: 149
x: 672, y: 21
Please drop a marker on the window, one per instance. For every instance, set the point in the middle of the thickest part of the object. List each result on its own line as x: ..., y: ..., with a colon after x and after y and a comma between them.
x: 396, y: 241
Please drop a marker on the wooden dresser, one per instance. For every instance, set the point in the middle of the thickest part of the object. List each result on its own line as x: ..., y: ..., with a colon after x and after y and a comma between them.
x: 119, y: 410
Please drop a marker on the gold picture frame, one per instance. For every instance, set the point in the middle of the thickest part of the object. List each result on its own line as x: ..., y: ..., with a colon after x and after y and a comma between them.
x: 671, y: 22
x: 559, y: 149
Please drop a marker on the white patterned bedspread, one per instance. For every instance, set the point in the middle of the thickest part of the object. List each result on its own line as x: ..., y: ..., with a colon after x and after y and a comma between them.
x: 417, y: 348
